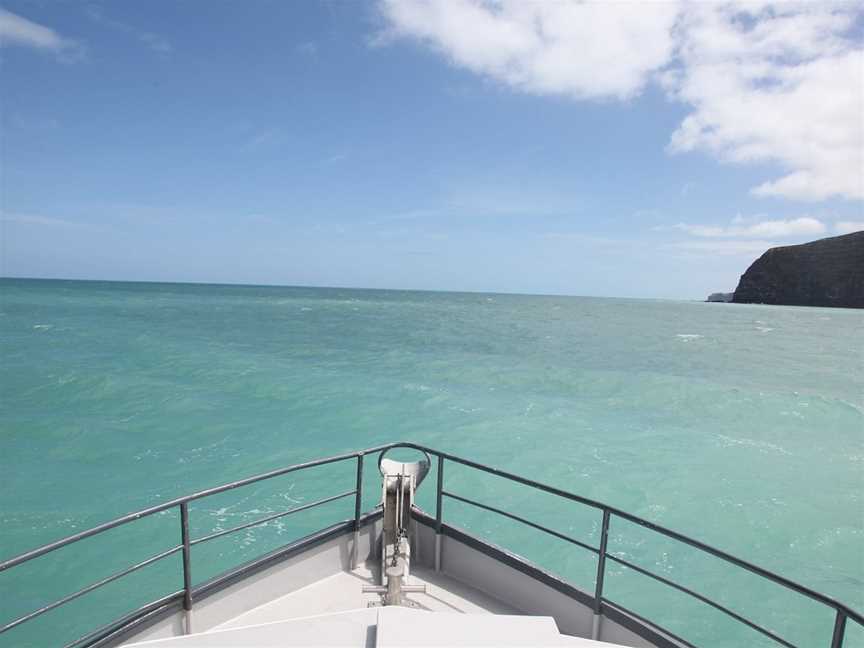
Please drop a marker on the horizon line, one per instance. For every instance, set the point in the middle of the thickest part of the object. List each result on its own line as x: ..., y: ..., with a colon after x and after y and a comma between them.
x: 366, y: 288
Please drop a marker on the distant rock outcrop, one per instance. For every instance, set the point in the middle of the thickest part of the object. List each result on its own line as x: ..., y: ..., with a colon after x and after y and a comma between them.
x: 828, y: 272
x: 720, y: 297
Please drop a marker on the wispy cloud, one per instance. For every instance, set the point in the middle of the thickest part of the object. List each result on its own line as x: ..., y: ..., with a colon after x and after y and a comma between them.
x: 409, y: 215
x: 651, y: 212
x: 741, y: 237
x: 608, y: 243
x: 16, y: 30
x: 740, y: 229
x: 44, y: 221
x: 261, y: 139
x: 720, y: 247
x: 336, y: 157
x: 31, y: 123
x: 483, y: 202
x: 263, y: 218
x: 307, y: 48
x: 155, y: 42
x: 847, y: 227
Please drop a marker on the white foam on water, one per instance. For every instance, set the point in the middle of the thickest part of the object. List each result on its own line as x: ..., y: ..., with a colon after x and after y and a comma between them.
x: 761, y: 446
x: 793, y: 413
x: 764, y: 329
x: 688, y: 337
x: 419, y: 387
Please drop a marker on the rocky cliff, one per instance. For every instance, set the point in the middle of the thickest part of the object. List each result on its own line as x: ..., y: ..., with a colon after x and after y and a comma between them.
x: 828, y: 272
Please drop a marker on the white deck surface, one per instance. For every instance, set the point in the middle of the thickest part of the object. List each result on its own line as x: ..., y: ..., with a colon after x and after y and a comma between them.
x: 387, y: 627
x: 335, y: 612
x: 407, y: 627
x: 343, y: 592
x: 354, y: 628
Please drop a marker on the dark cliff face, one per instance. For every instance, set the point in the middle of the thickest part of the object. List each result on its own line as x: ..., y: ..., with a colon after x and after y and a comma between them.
x: 829, y: 272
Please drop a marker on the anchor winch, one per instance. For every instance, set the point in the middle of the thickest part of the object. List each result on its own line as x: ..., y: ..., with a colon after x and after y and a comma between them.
x: 399, y: 483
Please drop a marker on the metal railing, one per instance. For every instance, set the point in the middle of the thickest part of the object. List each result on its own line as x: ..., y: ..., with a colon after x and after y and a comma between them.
x: 186, y: 541
x: 842, y: 612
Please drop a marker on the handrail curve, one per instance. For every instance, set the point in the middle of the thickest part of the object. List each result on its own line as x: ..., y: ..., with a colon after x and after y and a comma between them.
x: 843, y: 612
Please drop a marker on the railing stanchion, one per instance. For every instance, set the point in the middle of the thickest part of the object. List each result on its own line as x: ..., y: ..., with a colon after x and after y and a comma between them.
x: 601, y: 572
x: 187, y: 564
x: 439, y: 512
x: 839, y: 630
x: 358, y: 504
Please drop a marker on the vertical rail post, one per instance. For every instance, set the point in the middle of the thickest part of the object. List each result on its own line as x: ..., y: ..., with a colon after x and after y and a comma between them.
x: 439, y: 511
x: 187, y: 564
x: 601, y: 572
x: 358, y: 504
x: 839, y: 630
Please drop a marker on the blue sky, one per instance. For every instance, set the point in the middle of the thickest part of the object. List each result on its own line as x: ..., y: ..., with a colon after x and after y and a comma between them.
x: 424, y: 145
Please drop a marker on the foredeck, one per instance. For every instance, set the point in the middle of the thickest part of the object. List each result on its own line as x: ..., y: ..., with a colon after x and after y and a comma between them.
x: 336, y: 612
x: 343, y: 592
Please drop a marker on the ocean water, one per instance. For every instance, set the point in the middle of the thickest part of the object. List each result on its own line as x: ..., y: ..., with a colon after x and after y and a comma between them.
x: 740, y: 425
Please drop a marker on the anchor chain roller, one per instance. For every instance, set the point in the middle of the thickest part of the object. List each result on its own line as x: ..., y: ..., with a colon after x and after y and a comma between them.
x: 399, y: 483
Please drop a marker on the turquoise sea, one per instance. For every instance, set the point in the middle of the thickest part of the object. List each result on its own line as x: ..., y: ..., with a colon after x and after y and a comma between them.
x: 740, y: 425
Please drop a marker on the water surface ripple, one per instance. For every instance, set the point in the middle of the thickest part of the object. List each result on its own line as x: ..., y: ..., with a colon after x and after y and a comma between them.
x: 742, y: 426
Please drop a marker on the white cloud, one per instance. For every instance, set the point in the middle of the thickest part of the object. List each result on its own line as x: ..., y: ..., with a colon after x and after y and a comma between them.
x: 774, y: 228
x: 583, y: 50
x: 15, y: 30
x: 775, y: 83
x: 765, y: 81
x: 847, y: 227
